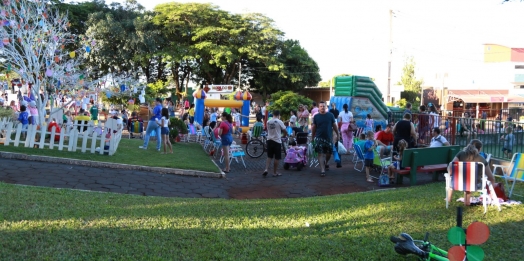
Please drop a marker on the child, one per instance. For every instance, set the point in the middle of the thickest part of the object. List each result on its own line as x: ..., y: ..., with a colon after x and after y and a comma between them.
x: 508, y: 142
x: 369, y: 123
x: 397, y: 159
x: 369, y: 155
x: 23, y: 117
x: 164, y: 130
x: 236, y: 116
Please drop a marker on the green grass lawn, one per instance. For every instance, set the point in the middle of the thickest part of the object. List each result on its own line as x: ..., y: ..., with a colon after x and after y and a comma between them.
x: 186, y: 155
x: 62, y: 224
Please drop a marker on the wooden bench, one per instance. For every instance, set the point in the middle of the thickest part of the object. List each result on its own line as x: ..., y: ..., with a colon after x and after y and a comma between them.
x: 434, y: 160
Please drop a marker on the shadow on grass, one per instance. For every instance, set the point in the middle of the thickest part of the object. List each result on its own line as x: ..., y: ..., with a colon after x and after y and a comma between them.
x: 172, y: 239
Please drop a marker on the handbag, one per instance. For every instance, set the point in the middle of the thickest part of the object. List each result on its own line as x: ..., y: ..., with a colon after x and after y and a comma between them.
x: 341, y: 148
x: 352, y: 126
x: 383, y: 180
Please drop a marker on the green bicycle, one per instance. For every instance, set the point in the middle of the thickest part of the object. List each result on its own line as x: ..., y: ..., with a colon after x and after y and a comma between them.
x: 405, y: 244
x: 423, y: 249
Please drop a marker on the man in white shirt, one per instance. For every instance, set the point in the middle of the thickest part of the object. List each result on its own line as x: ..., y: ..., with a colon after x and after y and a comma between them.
x: 438, y: 140
x: 275, y: 128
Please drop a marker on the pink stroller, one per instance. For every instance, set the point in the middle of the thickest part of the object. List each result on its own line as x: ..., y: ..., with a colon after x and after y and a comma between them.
x: 296, y: 156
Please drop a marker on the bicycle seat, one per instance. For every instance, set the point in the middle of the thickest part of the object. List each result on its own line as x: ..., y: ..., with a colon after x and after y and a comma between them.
x: 405, y: 245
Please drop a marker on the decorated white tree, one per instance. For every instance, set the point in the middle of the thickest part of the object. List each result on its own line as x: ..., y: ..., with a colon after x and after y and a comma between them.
x: 35, y: 41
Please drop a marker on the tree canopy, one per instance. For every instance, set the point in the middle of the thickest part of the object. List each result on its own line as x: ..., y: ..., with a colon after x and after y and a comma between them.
x: 182, y: 42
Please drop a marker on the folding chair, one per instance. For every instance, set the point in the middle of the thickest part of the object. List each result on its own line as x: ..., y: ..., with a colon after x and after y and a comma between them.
x: 235, y: 152
x: 207, y: 137
x: 516, y: 166
x: 217, y: 143
x: 463, y: 177
x: 360, y: 157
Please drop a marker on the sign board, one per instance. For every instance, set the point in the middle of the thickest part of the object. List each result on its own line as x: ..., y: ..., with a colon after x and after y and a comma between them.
x: 499, y: 99
x: 221, y: 88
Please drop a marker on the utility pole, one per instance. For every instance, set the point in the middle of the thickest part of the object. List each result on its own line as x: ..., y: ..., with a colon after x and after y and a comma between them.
x: 388, y: 98
x: 239, y: 73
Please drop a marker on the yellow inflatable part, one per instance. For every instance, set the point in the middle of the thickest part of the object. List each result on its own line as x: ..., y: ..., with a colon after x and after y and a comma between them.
x: 223, y: 103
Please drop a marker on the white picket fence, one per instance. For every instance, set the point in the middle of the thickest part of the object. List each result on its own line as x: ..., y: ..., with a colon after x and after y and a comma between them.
x: 95, y: 139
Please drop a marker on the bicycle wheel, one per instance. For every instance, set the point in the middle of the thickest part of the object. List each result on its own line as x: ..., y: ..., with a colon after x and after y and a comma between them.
x: 255, y: 148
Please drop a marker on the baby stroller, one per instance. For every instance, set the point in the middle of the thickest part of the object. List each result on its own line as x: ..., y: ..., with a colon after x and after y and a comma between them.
x: 296, y: 156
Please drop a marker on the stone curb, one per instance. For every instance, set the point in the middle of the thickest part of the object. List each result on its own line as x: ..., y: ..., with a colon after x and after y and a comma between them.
x: 98, y: 164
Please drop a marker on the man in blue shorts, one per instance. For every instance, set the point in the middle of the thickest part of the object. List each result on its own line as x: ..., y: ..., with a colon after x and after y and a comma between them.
x: 322, y: 130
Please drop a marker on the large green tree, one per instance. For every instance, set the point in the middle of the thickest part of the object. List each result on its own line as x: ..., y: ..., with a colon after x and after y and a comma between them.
x: 296, y: 71
x: 412, y: 86
x: 408, y: 78
x: 212, y: 45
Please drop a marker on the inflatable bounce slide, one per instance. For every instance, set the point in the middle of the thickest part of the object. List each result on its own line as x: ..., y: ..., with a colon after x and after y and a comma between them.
x: 362, y: 96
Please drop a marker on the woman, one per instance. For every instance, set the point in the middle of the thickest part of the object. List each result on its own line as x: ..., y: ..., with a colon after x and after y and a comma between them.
x: 346, y: 117
x: 225, y: 131
x: 405, y: 130
x: 471, y: 153
x: 303, y: 118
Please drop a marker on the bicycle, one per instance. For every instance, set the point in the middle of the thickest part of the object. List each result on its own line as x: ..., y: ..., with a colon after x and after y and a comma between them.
x: 406, y: 245
x: 257, y: 146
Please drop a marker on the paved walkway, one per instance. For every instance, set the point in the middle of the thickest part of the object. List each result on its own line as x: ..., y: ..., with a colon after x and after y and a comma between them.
x: 240, y: 183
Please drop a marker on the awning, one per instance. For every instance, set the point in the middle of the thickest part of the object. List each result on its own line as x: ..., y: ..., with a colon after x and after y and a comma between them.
x: 484, y: 96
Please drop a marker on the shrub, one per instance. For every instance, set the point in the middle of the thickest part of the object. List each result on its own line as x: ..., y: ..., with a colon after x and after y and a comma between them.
x: 285, y: 101
x: 176, y: 127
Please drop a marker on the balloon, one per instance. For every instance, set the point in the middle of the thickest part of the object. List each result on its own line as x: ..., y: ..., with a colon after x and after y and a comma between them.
x: 72, y: 54
x: 57, y: 59
x: 88, y: 49
x: 48, y: 72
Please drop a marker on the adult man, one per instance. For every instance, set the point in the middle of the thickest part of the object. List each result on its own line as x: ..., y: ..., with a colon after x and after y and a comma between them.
x: 94, y: 113
x: 384, y: 140
x: 334, y: 110
x: 314, y: 110
x: 1, y: 102
x: 275, y: 128
x: 153, y: 126
x: 322, y: 130
x: 465, y: 125
x: 408, y: 110
x: 438, y: 140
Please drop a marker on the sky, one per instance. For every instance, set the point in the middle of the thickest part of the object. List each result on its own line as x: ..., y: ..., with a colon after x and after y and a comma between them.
x: 444, y: 37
